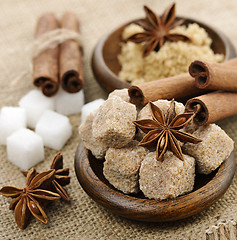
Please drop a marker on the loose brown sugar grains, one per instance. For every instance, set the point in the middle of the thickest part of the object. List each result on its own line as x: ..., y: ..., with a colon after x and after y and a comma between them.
x: 85, y: 131
x: 215, y: 147
x: 167, y: 179
x: 122, y: 93
x: 172, y: 59
x: 122, y: 166
x: 113, y: 124
x: 131, y: 29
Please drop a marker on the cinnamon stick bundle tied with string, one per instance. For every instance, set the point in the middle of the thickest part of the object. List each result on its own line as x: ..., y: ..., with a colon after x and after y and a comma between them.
x: 212, y: 107
x: 71, y: 67
x: 45, y: 72
x: 214, y: 76
x: 178, y: 87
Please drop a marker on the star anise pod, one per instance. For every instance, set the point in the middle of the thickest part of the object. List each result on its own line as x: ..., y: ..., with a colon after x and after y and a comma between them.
x: 163, y: 130
x: 157, y: 30
x: 25, y: 200
x: 61, y: 177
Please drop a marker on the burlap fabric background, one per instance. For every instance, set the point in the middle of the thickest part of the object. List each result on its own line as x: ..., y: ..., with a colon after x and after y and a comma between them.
x: 83, y: 218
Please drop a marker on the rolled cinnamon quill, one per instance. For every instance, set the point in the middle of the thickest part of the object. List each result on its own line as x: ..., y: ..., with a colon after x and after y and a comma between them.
x: 214, y: 76
x: 45, y: 65
x: 178, y: 87
x: 71, y: 67
x: 173, y: 87
x: 212, y: 107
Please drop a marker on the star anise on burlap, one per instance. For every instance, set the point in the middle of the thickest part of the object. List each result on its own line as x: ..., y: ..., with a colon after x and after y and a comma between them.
x: 164, y: 131
x: 61, y: 177
x: 27, y: 200
x: 157, y: 30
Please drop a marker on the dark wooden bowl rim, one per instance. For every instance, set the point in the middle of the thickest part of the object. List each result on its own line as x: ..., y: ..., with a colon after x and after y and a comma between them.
x: 143, y: 209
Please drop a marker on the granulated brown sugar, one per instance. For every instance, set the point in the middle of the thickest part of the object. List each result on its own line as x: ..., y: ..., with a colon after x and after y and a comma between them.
x: 172, y: 59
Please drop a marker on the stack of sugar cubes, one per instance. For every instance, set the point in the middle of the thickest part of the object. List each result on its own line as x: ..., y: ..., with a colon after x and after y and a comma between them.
x: 111, y: 136
x: 38, y: 121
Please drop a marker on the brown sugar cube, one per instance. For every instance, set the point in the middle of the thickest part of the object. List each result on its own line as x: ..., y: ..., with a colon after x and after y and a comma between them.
x: 191, y: 127
x: 122, y: 166
x: 164, y: 105
x: 113, y: 124
x: 215, y: 147
x: 122, y: 93
x: 167, y: 179
x: 85, y: 131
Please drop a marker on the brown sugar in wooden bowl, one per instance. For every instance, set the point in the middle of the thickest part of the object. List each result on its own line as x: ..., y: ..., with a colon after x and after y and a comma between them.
x: 207, y: 190
x: 106, y: 67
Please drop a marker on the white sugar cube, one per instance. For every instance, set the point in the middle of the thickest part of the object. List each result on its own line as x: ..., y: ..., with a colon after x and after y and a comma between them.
x: 69, y: 103
x: 11, y: 119
x: 25, y: 148
x: 54, y: 128
x: 35, y: 103
x: 90, y: 107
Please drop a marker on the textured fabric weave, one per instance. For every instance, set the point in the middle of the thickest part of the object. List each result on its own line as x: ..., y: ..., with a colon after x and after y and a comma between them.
x: 83, y: 218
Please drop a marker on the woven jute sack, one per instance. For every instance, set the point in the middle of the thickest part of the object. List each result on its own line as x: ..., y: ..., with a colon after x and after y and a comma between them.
x: 82, y: 218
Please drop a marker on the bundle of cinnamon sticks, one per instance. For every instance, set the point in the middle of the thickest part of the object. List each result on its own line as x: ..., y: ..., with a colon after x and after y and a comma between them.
x: 60, y: 64
x: 210, y: 87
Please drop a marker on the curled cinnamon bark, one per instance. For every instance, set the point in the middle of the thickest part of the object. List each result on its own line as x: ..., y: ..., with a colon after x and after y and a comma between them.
x: 214, y: 76
x: 45, y: 73
x: 212, y: 107
x: 178, y: 87
x: 71, y: 67
x: 173, y: 87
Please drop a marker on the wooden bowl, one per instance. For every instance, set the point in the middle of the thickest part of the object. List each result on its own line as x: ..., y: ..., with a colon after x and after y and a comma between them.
x: 106, y: 67
x: 207, y: 190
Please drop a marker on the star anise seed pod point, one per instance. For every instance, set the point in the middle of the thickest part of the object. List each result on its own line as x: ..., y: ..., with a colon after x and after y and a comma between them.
x: 61, y: 177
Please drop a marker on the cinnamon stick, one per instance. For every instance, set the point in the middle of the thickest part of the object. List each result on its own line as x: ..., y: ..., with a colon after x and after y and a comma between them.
x: 178, y: 87
x: 71, y: 67
x: 214, y: 76
x: 45, y: 72
x: 212, y: 107
x: 173, y: 87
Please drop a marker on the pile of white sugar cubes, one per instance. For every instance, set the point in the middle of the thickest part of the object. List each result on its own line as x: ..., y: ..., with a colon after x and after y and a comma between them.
x: 38, y: 121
